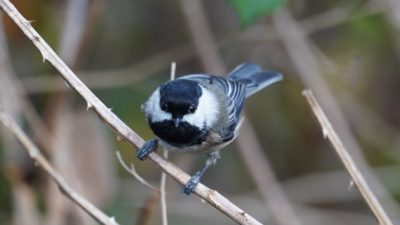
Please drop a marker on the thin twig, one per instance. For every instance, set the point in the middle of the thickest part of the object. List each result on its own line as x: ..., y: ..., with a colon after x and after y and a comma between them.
x: 163, y: 200
x: 211, y: 196
x: 347, y: 160
x: 164, y: 213
x: 173, y: 71
x: 36, y: 155
x: 133, y: 172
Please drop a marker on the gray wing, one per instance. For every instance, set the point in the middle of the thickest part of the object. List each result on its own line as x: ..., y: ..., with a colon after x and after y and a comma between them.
x: 235, y: 93
x: 244, y: 70
x: 254, y: 77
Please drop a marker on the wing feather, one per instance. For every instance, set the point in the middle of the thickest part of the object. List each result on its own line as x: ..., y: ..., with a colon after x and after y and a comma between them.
x: 235, y: 93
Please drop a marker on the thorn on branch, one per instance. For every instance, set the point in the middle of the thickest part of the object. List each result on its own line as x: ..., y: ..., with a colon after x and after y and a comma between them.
x: 88, y: 106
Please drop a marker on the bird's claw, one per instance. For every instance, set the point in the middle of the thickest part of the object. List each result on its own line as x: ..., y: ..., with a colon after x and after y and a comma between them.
x: 191, y: 185
x: 147, y: 148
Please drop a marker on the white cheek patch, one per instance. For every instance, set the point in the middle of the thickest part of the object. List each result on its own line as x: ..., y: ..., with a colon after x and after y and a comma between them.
x: 153, y: 110
x: 206, y: 112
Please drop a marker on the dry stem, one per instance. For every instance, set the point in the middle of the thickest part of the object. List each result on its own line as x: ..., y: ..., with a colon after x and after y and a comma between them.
x: 299, y: 48
x: 211, y: 196
x: 347, y: 160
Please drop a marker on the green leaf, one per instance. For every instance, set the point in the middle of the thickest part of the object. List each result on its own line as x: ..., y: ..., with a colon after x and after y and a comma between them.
x: 249, y: 10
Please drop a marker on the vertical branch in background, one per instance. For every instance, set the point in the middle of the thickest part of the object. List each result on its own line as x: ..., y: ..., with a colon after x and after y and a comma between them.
x: 249, y: 147
x: 310, y: 72
x: 164, y: 212
x: 347, y: 160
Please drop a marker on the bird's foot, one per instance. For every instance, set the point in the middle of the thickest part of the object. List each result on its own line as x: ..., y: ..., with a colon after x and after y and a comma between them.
x: 147, y: 148
x: 191, y: 185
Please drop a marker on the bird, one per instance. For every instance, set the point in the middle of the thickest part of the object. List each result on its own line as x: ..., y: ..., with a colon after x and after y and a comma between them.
x: 201, y: 113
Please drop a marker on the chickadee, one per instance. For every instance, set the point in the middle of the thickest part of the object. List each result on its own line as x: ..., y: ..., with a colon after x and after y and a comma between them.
x: 200, y: 113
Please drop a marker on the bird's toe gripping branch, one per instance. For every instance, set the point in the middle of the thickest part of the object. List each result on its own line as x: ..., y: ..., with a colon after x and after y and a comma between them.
x: 191, y: 185
x: 147, y: 148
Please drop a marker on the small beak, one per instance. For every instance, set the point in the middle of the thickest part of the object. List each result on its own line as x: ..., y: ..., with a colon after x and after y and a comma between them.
x: 177, y: 120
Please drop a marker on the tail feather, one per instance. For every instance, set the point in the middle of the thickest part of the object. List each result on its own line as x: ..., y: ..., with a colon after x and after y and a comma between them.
x: 244, y: 70
x: 254, y: 77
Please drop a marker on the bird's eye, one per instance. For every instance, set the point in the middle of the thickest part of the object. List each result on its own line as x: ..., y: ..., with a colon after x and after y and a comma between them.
x: 164, y: 106
x: 192, y: 109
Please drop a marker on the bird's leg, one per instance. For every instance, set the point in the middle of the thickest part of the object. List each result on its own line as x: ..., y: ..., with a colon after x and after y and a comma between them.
x: 147, y: 148
x: 191, y: 185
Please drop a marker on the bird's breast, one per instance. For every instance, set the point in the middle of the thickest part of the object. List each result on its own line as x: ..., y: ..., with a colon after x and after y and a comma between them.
x: 183, y: 135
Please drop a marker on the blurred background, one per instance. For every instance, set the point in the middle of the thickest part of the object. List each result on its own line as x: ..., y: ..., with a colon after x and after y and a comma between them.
x: 281, y: 170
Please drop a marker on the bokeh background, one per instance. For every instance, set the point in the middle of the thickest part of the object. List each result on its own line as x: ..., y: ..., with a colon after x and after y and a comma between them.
x: 281, y: 170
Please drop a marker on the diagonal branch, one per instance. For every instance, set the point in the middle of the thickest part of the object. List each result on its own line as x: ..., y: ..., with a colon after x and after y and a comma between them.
x: 309, y: 69
x: 36, y: 155
x: 211, y: 196
x: 347, y: 160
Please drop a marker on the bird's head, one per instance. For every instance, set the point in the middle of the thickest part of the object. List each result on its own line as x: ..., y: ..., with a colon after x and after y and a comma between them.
x: 180, y: 98
x: 182, y: 101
